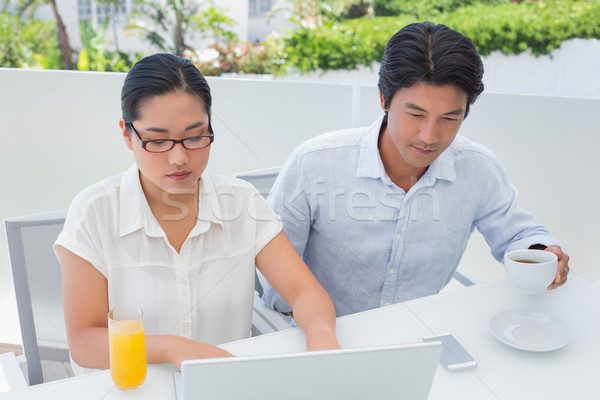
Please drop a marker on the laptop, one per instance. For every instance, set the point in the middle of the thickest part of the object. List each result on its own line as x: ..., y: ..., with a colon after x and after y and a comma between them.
x: 402, y: 371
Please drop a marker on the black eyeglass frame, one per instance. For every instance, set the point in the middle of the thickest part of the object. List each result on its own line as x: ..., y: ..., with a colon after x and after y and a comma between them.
x: 144, y: 143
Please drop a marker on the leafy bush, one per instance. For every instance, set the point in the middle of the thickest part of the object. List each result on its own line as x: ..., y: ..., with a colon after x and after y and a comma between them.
x: 21, y: 45
x: 539, y: 26
x: 246, y: 58
x: 420, y: 9
x: 510, y: 28
x: 339, y: 46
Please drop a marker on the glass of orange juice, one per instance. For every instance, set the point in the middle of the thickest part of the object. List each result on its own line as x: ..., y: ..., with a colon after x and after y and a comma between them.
x: 127, y: 347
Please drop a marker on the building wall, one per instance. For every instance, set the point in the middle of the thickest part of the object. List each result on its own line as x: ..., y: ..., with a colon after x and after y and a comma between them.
x: 260, y: 25
x: 245, y: 29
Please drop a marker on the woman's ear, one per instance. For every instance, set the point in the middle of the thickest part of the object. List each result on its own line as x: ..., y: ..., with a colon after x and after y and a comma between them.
x: 126, y: 133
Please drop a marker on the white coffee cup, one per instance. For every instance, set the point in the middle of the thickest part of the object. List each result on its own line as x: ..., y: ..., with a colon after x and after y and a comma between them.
x: 530, y: 271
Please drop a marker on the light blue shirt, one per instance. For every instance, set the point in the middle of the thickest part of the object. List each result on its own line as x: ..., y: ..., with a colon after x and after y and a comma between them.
x: 368, y: 242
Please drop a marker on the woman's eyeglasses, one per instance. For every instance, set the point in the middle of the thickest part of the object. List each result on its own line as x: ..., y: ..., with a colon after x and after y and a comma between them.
x: 163, y: 145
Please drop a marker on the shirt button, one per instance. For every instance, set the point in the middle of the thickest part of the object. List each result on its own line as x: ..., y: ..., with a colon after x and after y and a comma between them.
x: 392, y: 270
x: 387, y: 303
x: 187, y: 323
x: 182, y: 280
x: 398, y: 236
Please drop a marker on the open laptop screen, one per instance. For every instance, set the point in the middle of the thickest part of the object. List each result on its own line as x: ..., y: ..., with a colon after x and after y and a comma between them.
x: 385, y: 372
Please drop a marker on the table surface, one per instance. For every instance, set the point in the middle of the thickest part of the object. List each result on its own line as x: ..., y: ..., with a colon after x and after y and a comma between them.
x: 11, y: 376
x: 502, y: 372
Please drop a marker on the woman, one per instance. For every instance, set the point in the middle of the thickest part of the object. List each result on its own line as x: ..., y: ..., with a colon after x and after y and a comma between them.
x: 175, y: 240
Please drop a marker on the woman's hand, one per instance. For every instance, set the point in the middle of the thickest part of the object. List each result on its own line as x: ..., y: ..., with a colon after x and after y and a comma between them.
x: 175, y: 349
x: 323, y: 340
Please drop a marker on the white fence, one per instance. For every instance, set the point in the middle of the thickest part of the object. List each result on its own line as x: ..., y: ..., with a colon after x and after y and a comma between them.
x: 573, y: 70
x: 60, y: 134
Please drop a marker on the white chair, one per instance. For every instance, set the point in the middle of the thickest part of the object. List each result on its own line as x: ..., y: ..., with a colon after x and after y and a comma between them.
x: 267, y: 320
x: 36, y: 273
x: 262, y: 179
x: 11, y: 375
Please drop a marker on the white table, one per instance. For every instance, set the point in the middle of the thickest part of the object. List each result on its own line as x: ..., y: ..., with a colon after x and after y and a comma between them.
x: 503, y: 372
x: 11, y: 376
x: 98, y: 385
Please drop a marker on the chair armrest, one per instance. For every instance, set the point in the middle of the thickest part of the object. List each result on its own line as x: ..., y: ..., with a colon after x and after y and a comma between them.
x: 261, y: 179
x: 466, y: 277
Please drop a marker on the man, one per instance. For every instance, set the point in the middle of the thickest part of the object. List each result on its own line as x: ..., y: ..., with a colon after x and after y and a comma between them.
x: 383, y: 214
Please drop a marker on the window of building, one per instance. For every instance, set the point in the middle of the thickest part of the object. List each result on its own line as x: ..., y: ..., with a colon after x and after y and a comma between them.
x: 89, y: 10
x: 84, y: 10
x: 259, y: 8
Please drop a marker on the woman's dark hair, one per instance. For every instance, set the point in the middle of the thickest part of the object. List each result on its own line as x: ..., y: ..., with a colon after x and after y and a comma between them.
x: 434, y: 54
x: 161, y: 74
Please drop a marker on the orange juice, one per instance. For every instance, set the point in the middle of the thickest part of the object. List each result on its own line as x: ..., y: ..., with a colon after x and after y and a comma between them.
x: 127, y: 353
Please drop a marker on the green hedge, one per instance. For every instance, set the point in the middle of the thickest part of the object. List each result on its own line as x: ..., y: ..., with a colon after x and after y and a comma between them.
x: 540, y: 26
x: 420, y: 8
x: 338, y: 46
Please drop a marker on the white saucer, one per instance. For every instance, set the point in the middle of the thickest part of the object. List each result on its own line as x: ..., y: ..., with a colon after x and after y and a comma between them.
x: 530, y: 330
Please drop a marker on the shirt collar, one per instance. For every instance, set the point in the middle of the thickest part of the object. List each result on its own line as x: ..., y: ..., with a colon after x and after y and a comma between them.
x: 370, y: 164
x: 135, y: 212
x: 209, y: 208
x: 442, y: 167
x: 369, y: 159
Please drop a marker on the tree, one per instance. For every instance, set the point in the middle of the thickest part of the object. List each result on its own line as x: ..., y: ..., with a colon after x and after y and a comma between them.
x: 213, y: 23
x: 63, y: 38
x: 173, y: 21
x: 312, y: 13
x: 172, y: 17
x: 112, y: 4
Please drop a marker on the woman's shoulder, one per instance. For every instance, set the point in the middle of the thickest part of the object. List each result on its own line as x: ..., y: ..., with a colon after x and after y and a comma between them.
x: 106, y: 190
